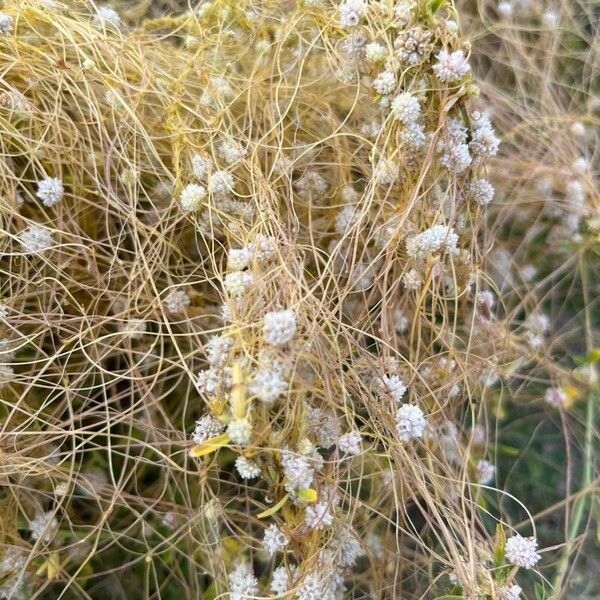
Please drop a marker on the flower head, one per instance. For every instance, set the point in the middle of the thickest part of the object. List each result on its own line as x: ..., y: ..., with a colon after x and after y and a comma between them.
x: 274, y: 539
x: 192, y: 196
x: 279, y: 327
x: 451, y: 66
x: 521, y: 551
x: 410, y: 422
x: 35, y: 239
x: 50, y: 191
x: 246, y: 468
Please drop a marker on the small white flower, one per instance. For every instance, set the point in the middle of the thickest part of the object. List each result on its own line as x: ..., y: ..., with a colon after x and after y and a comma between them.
x: 509, y: 592
x: 35, y: 239
x: 192, y: 196
x: 274, y: 539
x: 485, y: 471
x: 246, y: 468
x: 412, y: 279
x: 50, y: 191
x: 406, y: 108
x: 375, y: 52
x: 242, y: 583
x: 555, y: 396
x: 312, y: 185
x: 107, y: 16
x: 385, y: 83
x: 351, y: 11
x: 239, y: 431
x: 392, y: 385
x: 218, y: 349
x: 267, y: 385
x: 44, y: 527
x: 238, y: 259
x: 410, y: 422
x: 279, y: 327
x: 434, y: 239
x: 317, y: 516
x: 6, y: 24
x: 207, y: 427
x: 480, y: 191
x: 201, y: 166
x: 237, y: 282
x: 348, y: 548
x: 350, y: 443
x: 484, y: 142
x: 282, y: 580
x: 135, y: 328
x: 221, y: 183
x: 297, y: 470
x: 550, y: 19
x: 451, y: 66
x: 232, y: 152
x: 578, y: 129
x: 177, y: 301
x: 521, y: 551
x: 505, y: 9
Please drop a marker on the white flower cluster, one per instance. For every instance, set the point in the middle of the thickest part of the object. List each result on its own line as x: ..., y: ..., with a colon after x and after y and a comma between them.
x: 410, y: 422
x: 347, y: 547
x: 246, y: 468
x: 451, y: 66
x: 267, y: 385
x: 281, y: 580
x: 432, y: 240
x: 6, y: 24
x: 484, y: 142
x: 521, y: 551
x: 50, y: 191
x: 274, y: 539
x: 311, y: 186
x: 318, y: 515
x: 221, y: 184
x: 391, y: 386
x: 350, y: 443
x: 232, y: 152
x: 192, y: 197
x: 242, y: 583
x: 453, y: 148
x: 201, y: 166
x: 279, y: 327
x: 206, y: 427
x: 323, y: 426
x: 43, y: 527
x: 509, y: 592
x: 177, y: 301
x: 107, y: 16
x: 35, y: 239
x: 351, y: 12
x: 237, y: 283
x: 218, y: 350
x: 485, y: 472
x: 385, y: 83
x: 480, y: 191
x: 555, y: 396
x: 375, y: 53
x: 239, y: 431
x: 12, y: 572
x: 406, y: 108
x: 297, y: 470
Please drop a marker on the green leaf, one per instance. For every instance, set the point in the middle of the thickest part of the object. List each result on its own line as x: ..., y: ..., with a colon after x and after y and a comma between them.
x: 499, y: 545
x: 540, y: 592
x: 435, y: 4
x: 449, y: 598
